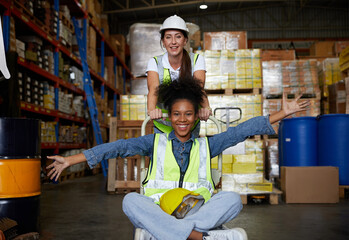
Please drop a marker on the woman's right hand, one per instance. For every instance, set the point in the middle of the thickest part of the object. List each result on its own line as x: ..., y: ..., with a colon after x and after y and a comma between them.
x: 59, y: 164
x: 155, y: 114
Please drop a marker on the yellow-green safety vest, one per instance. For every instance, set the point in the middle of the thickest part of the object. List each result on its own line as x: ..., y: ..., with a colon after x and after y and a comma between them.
x: 164, y: 173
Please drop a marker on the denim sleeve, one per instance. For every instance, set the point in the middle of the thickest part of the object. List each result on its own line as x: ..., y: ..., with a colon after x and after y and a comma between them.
x: 254, y: 126
x: 121, y: 148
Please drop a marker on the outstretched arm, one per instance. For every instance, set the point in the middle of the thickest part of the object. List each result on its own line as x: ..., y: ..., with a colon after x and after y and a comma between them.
x: 288, y: 108
x: 60, y: 163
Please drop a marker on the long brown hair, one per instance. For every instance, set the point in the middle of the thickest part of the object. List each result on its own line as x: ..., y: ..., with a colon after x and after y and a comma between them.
x: 186, y: 67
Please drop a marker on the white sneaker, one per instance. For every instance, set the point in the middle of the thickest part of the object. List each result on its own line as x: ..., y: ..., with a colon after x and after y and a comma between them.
x: 231, y: 234
x: 142, y: 234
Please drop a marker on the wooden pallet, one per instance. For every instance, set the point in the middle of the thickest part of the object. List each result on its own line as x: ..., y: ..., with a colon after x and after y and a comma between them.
x: 68, y: 176
x: 343, y: 191
x: 124, y: 174
x: 272, y: 197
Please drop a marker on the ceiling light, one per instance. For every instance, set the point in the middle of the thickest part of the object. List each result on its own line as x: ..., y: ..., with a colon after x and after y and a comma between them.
x: 203, y: 6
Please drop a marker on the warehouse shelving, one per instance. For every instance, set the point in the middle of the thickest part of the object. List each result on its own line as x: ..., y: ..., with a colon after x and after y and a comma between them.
x: 32, y: 25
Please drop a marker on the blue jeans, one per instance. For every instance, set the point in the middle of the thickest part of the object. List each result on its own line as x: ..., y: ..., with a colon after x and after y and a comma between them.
x: 144, y: 213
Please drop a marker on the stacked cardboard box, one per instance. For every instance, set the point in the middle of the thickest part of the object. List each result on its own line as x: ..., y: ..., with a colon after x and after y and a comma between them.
x: 92, y: 59
x: 278, y: 55
x: 102, y: 106
x: 322, y: 49
x: 273, y: 105
x: 13, y: 40
x: 119, y: 42
x: 329, y: 73
x: 250, y: 105
x: 299, y: 76
x: 236, y: 69
x: 339, y: 46
x: 225, y: 40
x: 133, y: 107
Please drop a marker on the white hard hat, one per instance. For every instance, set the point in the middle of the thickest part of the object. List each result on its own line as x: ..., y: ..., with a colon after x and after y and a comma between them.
x: 174, y: 22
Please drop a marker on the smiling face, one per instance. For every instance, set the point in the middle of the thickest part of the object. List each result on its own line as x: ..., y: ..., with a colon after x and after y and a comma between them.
x: 174, y: 42
x: 183, y: 118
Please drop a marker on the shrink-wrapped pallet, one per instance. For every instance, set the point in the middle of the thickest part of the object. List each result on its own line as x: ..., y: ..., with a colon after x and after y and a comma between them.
x: 144, y: 41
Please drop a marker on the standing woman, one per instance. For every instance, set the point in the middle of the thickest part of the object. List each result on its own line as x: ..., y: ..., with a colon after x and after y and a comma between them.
x: 175, y: 64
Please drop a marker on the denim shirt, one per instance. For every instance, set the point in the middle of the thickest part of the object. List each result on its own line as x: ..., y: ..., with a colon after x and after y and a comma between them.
x: 144, y: 145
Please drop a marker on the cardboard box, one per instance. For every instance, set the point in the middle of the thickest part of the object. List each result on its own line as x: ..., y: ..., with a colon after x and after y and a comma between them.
x: 339, y: 46
x: 225, y: 40
x: 278, y: 55
x: 310, y: 184
x: 322, y: 49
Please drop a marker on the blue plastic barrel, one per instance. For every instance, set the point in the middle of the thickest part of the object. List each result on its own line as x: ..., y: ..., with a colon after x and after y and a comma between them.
x: 298, y: 142
x: 333, y: 147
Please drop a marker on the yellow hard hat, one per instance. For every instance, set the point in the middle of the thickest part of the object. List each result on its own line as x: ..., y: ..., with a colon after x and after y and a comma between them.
x: 180, y: 202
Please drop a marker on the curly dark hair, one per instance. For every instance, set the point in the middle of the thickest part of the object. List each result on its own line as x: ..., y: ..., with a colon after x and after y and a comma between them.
x: 184, y: 88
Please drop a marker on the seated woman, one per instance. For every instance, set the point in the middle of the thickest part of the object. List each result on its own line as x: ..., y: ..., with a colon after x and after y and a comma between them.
x: 179, y: 160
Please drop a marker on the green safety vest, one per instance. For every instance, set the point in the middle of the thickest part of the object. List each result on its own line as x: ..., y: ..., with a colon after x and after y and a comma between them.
x: 164, y: 76
x: 164, y: 173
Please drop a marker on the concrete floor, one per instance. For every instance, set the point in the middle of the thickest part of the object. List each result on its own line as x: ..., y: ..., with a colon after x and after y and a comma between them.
x: 81, y: 209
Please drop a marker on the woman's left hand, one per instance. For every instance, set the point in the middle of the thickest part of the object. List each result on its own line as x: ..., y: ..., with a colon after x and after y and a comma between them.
x: 295, y: 105
x: 205, y: 113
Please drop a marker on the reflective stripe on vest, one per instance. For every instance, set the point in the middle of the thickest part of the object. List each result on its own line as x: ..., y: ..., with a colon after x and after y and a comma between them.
x: 164, y: 173
x: 164, y: 76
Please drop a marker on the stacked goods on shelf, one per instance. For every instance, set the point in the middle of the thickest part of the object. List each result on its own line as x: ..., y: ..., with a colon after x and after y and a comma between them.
x: 72, y: 134
x: 133, y: 107
x: 78, y: 106
x: 337, y: 97
x: 65, y: 102
x: 33, y: 49
x: 235, y: 69
x: 48, y: 132
x: 102, y: 106
x: 13, y: 40
x: 119, y: 42
x: 49, y: 17
x: 30, y: 90
x: 225, y: 40
x: 66, y: 29
x: 49, y: 96
x: 76, y: 77
x: 92, y: 59
x: 250, y: 105
x: 292, y: 77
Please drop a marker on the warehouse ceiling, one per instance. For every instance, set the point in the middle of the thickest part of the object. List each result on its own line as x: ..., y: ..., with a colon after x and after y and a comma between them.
x: 155, y: 11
